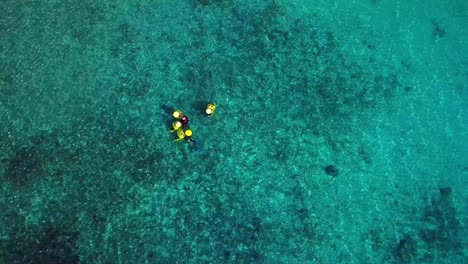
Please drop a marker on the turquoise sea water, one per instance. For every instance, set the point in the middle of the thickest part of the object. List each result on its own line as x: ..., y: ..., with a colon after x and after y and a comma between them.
x: 340, y: 134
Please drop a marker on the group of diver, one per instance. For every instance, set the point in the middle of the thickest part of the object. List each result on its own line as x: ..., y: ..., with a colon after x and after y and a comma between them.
x: 181, y: 124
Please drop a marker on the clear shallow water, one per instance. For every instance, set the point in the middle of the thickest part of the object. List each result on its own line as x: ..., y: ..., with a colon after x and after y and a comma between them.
x: 90, y: 173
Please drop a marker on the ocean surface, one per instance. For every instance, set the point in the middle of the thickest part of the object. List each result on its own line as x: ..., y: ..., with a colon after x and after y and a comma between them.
x: 340, y: 133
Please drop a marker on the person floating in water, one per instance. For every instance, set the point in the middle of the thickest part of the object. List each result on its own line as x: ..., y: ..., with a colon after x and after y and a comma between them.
x: 176, y: 125
x: 210, y: 109
x: 186, y: 134
x: 194, y: 144
x: 179, y: 135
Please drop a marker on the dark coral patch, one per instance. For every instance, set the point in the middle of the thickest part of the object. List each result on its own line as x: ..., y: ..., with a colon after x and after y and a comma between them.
x: 332, y: 170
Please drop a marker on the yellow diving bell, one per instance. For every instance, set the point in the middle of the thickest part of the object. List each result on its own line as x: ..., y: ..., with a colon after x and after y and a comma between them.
x: 210, y: 109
